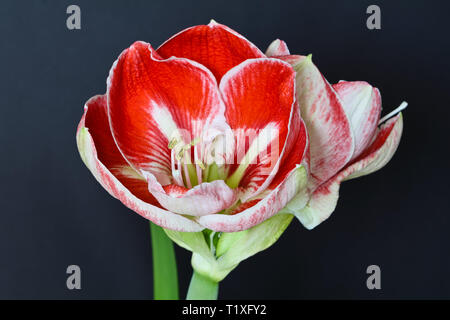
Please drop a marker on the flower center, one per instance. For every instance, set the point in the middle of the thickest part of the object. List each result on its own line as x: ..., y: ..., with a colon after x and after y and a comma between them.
x: 188, y: 165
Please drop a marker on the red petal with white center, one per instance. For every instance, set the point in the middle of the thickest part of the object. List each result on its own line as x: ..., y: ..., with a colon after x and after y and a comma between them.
x: 331, y: 138
x: 215, y: 46
x: 294, y: 156
x: 96, y: 121
x: 259, y: 95
x: 261, y: 210
x: 206, y: 198
x: 277, y: 48
x: 362, y: 104
x: 296, y: 149
x: 324, y: 199
x: 152, y: 102
x: 125, y: 184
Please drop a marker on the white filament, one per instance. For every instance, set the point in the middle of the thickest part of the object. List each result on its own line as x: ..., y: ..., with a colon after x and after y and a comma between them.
x: 401, y: 107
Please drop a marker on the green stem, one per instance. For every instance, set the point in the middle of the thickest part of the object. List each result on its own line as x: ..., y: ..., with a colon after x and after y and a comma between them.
x: 165, y: 278
x: 202, y: 288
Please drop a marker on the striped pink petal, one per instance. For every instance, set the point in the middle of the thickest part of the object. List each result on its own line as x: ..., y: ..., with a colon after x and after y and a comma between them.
x: 362, y: 104
x: 329, y: 129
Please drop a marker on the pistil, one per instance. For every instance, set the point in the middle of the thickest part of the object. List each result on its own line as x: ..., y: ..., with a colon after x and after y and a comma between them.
x: 401, y: 107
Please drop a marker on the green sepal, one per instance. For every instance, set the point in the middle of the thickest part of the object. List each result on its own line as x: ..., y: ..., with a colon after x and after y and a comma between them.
x: 216, y: 254
x: 232, y: 248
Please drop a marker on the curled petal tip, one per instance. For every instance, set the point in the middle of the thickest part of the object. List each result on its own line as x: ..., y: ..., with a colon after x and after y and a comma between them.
x: 212, y: 23
x: 277, y: 48
x: 307, y: 60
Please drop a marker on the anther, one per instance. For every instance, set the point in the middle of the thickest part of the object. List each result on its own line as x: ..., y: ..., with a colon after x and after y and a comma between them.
x: 180, y: 154
x: 173, y: 143
x: 200, y: 164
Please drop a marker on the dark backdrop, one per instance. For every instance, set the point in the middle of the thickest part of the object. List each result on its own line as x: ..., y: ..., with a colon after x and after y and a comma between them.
x: 53, y: 213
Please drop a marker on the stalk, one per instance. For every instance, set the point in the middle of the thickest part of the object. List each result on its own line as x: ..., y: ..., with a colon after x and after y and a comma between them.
x: 202, y: 288
x: 165, y: 277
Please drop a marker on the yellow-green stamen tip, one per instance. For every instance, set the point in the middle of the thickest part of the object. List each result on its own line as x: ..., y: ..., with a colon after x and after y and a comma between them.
x: 180, y: 154
x: 200, y: 164
x: 173, y: 143
x: 195, y: 141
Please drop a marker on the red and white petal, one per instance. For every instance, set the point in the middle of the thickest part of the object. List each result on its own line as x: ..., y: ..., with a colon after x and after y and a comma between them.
x: 153, y: 101
x: 330, y: 134
x: 215, y: 46
x: 259, y: 95
x: 381, y: 150
x: 295, y: 154
x: 324, y: 199
x: 95, y: 119
x: 277, y: 48
x: 118, y: 187
x: 362, y: 104
x: 206, y: 198
x: 261, y: 210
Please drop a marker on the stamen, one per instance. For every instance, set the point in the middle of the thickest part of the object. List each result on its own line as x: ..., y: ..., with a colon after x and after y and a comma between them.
x: 186, y: 172
x: 189, y: 172
x: 176, y: 173
x: 201, y: 164
x: 401, y: 107
x: 172, y: 162
x: 173, y: 143
x: 195, y: 141
x: 180, y: 170
x: 180, y: 154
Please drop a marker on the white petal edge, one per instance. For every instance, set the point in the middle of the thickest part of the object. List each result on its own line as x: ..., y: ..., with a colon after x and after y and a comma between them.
x: 203, y: 199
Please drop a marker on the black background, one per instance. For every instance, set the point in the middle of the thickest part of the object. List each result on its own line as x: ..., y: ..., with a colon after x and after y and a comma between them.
x: 53, y: 213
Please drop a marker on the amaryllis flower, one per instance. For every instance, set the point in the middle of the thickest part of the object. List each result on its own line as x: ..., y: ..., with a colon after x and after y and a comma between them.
x: 207, y: 133
x: 347, y: 137
x: 203, y: 132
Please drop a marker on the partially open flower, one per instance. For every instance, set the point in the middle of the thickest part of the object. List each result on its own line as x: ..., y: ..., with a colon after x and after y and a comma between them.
x: 347, y: 137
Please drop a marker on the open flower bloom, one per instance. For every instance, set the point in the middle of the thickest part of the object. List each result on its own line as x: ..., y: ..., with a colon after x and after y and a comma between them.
x: 208, y: 132
x: 204, y: 132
